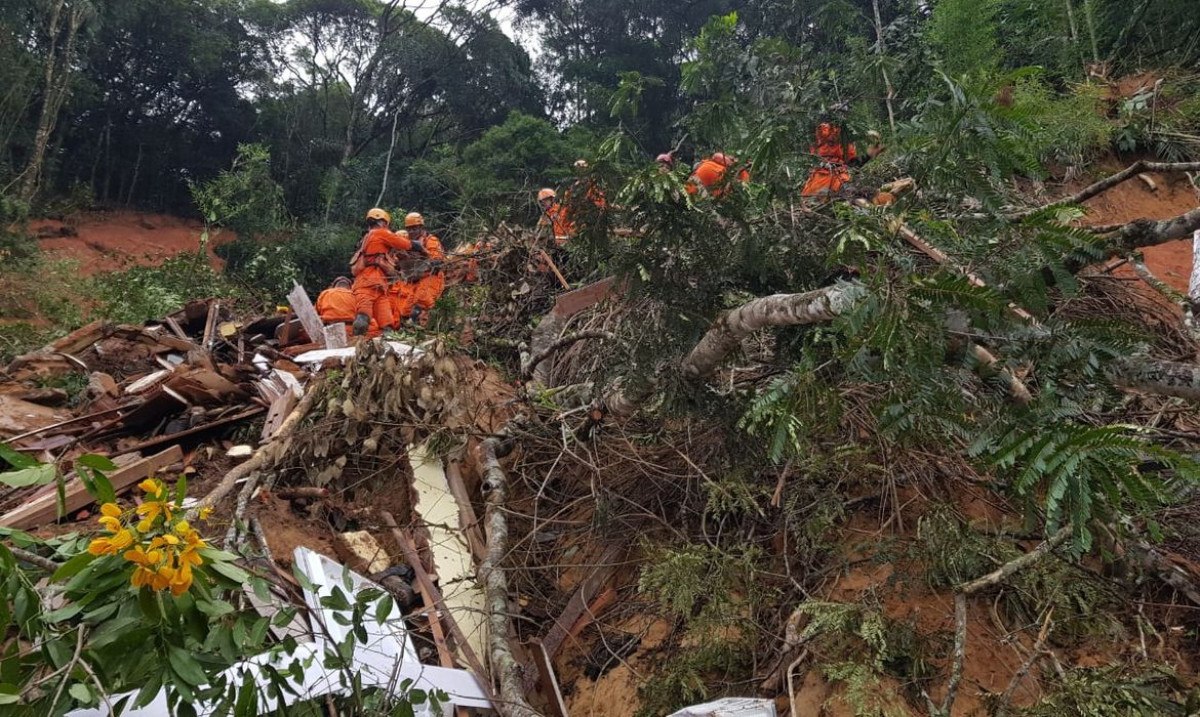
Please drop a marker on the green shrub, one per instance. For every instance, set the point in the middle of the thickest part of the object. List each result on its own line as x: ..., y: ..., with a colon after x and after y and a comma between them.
x: 143, y: 293
x: 244, y: 197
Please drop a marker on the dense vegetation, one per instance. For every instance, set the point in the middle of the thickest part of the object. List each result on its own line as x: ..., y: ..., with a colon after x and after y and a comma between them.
x: 282, y: 121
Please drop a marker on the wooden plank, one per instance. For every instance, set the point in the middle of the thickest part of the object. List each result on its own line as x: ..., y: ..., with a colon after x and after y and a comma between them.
x: 176, y: 328
x: 578, y: 603
x: 436, y: 509
x: 64, y: 424
x: 81, y: 338
x: 43, y: 508
x: 335, y: 336
x: 210, y: 324
x: 414, y: 561
x: 572, y: 302
x: 550, y: 686
x: 309, y: 319
x: 468, y: 522
x: 280, y: 409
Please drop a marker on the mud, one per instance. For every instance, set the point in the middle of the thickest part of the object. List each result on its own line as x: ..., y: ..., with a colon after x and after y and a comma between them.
x: 116, y: 240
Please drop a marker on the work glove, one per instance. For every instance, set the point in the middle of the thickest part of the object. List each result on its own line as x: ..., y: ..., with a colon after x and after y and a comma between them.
x: 418, y: 246
x: 415, y: 316
x: 361, y: 323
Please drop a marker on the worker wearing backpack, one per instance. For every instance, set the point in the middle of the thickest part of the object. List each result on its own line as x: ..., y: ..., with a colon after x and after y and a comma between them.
x: 370, y: 265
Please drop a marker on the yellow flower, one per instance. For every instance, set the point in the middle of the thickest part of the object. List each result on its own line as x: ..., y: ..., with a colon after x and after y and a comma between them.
x: 141, y: 557
x: 151, y: 486
x: 111, y: 546
x: 181, y: 580
x: 150, y: 510
x: 110, y: 523
x: 206, y: 512
x: 110, y: 510
x: 162, y: 540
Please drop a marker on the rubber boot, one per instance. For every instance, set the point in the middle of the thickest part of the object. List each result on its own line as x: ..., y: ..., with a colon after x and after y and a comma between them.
x: 361, y: 323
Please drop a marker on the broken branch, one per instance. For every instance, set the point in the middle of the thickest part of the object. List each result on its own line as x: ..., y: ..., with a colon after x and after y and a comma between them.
x: 962, y: 591
x: 559, y: 345
x: 1108, y: 183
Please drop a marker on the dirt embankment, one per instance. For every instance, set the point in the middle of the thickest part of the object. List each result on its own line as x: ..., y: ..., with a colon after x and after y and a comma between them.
x: 116, y: 240
x: 1174, y: 195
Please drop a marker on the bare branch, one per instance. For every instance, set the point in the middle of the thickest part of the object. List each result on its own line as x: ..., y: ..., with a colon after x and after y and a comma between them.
x: 1109, y: 182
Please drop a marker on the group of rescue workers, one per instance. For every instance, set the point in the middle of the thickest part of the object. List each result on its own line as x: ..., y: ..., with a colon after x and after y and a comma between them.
x: 398, y: 276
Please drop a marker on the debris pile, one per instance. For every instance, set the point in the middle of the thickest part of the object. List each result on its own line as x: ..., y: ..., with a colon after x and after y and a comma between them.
x: 195, y: 391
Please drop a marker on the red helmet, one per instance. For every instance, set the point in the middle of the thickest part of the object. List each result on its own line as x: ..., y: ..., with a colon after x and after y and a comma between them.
x: 722, y: 158
x: 665, y: 158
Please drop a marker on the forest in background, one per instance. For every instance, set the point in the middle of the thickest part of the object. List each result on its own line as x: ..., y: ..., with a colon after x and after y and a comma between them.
x: 837, y: 397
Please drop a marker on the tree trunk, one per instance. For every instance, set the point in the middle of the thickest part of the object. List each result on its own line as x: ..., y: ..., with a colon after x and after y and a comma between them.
x: 1162, y: 378
x: 512, y: 701
x: 726, y: 334
x: 1194, y: 280
x: 37, y: 157
x: 58, y: 86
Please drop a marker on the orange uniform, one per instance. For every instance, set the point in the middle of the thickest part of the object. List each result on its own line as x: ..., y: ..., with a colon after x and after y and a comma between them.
x: 403, y: 297
x: 430, y: 286
x: 558, y: 219
x: 337, y: 305
x: 710, y: 174
x: 371, y: 285
x: 832, y: 174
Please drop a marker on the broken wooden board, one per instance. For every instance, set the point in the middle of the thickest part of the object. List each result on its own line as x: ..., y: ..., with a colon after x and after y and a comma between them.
x: 20, y: 417
x: 300, y: 303
x: 438, y: 511
x: 280, y: 409
x: 572, y: 302
x: 42, y: 508
x: 578, y: 604
x: 335, y: 336
x: 361, y: 552
x: 80, y: 338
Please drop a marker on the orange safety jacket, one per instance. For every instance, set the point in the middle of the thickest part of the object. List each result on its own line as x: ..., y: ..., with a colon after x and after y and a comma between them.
x: 832, y: 173
x: 433, y: 283
x: 336, y: 305
x: 709, y: 174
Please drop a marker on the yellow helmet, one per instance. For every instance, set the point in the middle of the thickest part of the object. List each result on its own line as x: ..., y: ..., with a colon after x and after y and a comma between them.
x: 413, y: 219
x: 546, y: 194
x: 377, y: 213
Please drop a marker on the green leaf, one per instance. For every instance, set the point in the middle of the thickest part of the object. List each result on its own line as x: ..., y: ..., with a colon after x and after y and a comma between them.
x: 63, y: 613
x: 80, y: 692
x: 231, y: 571
x: 15, y: 458
x: 96, y: 462
x: 185, y: 666
x: 72, y: 566
x: 384, y: 608
x: 181, y: 489
x: 214, y: 608
x: 36, y: 475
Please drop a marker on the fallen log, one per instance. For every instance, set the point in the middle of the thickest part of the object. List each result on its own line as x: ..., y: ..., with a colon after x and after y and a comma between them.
x: 509, y: 672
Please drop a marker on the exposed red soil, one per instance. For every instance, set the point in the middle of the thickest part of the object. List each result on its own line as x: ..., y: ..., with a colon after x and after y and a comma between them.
x: 1171, y: 262
x: 111, y: 241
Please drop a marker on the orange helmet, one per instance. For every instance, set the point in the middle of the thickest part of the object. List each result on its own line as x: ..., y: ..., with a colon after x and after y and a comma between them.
x: 581, y: 164
x: 828, y: 132
x: 546, y: 193
x: 722, y: 158
x: 413, y: 219
x: 377, y: 213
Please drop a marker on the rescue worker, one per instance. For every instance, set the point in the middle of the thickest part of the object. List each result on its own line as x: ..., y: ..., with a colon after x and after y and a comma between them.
x: 402, y: 294
x: 336, y: 304
x: 373, y: 264
x: 832, y: 175
x: 710, y: 175
x: 554, y: 215
x: 432, y: 283
x: 666, y: 162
